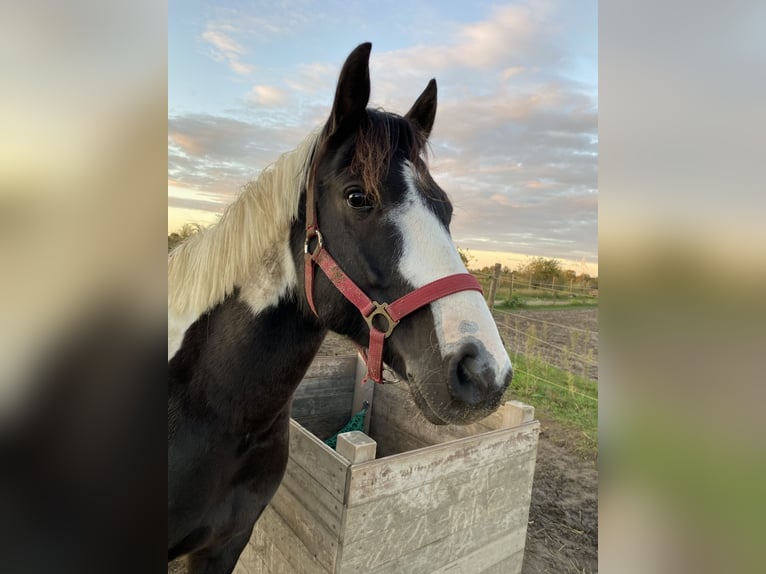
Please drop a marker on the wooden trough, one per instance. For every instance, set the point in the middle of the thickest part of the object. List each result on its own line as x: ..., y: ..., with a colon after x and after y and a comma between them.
x: 405, y: 496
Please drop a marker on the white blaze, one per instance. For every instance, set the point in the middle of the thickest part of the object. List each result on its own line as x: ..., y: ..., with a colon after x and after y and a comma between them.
x: 428, y: 254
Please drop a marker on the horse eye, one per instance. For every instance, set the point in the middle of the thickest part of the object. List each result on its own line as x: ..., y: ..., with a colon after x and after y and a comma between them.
x: 357, y: 199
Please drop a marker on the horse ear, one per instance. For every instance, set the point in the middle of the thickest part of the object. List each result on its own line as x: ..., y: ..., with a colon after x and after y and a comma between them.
x: 353, y: 91
x: 423, y: 111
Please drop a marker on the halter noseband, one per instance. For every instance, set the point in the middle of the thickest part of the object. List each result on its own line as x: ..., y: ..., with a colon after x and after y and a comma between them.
x: 392, y: 313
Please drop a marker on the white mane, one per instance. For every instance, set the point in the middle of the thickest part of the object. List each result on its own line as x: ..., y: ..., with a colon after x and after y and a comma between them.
x: 205, y: 268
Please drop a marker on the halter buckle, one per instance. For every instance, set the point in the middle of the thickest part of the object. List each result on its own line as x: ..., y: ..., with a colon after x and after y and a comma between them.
x: 382, y: 310
x: 313, y: 233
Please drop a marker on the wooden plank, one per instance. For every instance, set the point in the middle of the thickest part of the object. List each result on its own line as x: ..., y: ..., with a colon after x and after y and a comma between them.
x: 510, y: 565
x: 340, y: 367
x: 250, y: 561
x: 395, y: 403
x: 435, y: 557
x: 389, y: 436
x: 319, y: 460
x: 510, y: 414
x: 332, y: 404
x: 321, y: 386
x: 386, y: 476
x: 283, y: 552
x: 523, y: 469
x: 318, y: 539
x: 420, y: 499
x: 323, y: 405
x: 505, y: 552
x: 519, y: 413
x: 356, y: 447
x: 495, y: 524
x: 476, y: 519
x: 312, y: 494
x: 322, y: 426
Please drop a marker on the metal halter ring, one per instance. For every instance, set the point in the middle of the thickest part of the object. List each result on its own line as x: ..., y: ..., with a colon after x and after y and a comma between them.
x: 382, y: 310
x: 320, y: 242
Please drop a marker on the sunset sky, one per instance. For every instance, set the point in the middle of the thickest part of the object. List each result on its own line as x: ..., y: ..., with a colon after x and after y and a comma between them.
x: 515, y: 144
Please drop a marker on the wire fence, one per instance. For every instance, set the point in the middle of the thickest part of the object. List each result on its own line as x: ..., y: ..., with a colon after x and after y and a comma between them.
x: 557, y: 385
x: 544, y: 343
x: 533, y: 319
x: 564, y: 350
x: 514, y: 282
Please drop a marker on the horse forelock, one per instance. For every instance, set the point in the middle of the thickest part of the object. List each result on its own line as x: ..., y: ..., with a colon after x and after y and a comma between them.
x: 375, y: 142
x: 205, y: 269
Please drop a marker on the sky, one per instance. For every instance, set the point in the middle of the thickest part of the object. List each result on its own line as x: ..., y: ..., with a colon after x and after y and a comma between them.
x: 515, y: 143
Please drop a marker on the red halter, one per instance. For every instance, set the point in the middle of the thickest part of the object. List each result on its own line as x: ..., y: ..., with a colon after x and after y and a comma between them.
x: 370, y: 310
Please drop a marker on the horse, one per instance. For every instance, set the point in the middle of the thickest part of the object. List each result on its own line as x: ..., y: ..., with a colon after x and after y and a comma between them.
x: 349, y: 219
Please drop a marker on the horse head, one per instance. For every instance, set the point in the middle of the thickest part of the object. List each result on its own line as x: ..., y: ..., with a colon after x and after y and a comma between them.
x: 386, y: 222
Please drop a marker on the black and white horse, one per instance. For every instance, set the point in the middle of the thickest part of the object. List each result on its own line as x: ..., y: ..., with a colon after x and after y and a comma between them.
x: 249, y: 307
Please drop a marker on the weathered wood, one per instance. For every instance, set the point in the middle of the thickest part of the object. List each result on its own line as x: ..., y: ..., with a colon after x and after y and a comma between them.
x: 322, y: 427
x: 396, y: 406
x: 341, y: 367
x: 518, y: 413
x: 510, y: 565
x: 283, y: 552
x: 311, y: 493
x: 435, y: 556
x: 356, y: 447
x: 391, y: 438
x: 477, y: 521
x: 455, y: 499
x: 501, y: 556
x: 494, y: 524
x: 319, y: 460
x: 420, y: 499
x: 323, y: 405
x: 381, y: 478
x: 320, y: 541
x: 250, y: 561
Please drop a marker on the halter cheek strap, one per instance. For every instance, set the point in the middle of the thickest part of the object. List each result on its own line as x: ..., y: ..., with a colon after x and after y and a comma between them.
x: 372, y: 311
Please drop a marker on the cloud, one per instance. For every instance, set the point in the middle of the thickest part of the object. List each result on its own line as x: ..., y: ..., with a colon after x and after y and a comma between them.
x: 223, y: 48
x: 267, y: 96
x: 515, y: 142
x: 315, y: 78
x: 220, y: 154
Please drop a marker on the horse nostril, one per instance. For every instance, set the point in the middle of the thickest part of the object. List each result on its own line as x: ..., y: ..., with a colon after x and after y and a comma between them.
x: 470, y: 379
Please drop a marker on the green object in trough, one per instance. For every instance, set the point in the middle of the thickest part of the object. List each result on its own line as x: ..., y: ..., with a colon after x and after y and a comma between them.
x: 356, y: 423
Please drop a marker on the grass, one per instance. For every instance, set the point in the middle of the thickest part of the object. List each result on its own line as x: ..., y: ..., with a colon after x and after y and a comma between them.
x: 563, y: 396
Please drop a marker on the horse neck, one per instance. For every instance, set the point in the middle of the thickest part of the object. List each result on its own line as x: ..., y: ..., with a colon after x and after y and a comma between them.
x: 246, y: 366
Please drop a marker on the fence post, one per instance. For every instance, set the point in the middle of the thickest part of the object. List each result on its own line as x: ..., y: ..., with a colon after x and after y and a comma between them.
x: 493, y: 286
x: 570, y: 286
x: 510, y: 292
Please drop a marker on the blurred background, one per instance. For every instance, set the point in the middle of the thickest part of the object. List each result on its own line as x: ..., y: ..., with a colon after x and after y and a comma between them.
x: 683, y: 320
x: 83, y: 110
